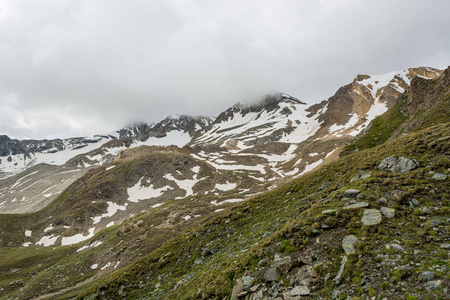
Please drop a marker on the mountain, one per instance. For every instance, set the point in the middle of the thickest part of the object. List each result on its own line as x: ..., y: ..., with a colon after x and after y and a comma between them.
x: 191, y: 207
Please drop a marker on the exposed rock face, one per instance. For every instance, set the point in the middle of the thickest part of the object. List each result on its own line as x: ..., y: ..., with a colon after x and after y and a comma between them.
x: 398, y: 164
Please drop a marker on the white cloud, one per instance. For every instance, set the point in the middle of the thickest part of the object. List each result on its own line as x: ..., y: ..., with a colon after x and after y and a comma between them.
x: 94, y: 66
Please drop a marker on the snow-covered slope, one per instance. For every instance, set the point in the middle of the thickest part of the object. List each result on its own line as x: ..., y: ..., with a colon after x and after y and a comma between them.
x: 277, y: 137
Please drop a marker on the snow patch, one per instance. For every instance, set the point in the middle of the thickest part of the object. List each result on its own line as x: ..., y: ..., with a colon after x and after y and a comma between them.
x: 112, y: 209
x: 225, y: 186
x: 139, y: 192
x: 75, y: 239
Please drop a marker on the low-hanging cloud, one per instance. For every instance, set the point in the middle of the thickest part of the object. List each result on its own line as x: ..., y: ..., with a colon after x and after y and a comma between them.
x: 71, y: 68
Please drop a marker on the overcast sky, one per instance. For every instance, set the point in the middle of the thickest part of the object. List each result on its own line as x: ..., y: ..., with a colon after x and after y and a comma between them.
x: 80, y: 67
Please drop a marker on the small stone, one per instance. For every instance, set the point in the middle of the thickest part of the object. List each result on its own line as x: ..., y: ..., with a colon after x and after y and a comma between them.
x: 16, y: 283
x: 348, y: 242
x: 283, y: 263
x: 271, y: 275
x: 371, y: 217
x: 198, y: 261
x: 433, y: 285
x: 247, y: 282
x: 255, y: 288
x: 259, y: 295
x: 238, y: 289
x: 366, y: 175
x: 327, y: 277
x: 426, y: 276
x: 242, y: 295
x: 140, y: 223
x: 329, y: 211
x: 336, y: 294
x: 383, y: 200
x: 276, y: 287
x: 415, y: 202
x: 263, y: 262
x: 436, y: 223
x: 357, y: 205
x: 300, y: 291
x: 354, y: 178
x: 352, y: 192
x: 445, y: 246
x: 324, y: 185
x: 337, y: 279
x: 360, y: 196
x: 439, y: 176
x: 395, y: 247
x: 387, y: 212
x: 324, y: 226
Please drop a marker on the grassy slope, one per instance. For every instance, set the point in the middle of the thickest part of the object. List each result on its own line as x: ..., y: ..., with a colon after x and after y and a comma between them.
x: 381, y: 129
x: 44, y: 270
x: 230, y: 245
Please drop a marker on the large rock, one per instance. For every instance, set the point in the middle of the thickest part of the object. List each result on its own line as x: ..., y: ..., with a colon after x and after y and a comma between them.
x: 398, y: 164
x: 387, y: 212
x: 300, y: 291
x: 426, y: 276
x: 271, y: 275
x: 439, y: 176
x: 247, y: 282
x: 352, y: 192
x: 371, y: 217
x: 238, y: 289
x: 348, y: 242
x: 357, y: 205
x: 283, y: 263
x: 306, y: 275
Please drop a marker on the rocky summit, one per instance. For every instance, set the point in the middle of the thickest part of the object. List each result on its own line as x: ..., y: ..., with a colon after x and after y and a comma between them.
x: 275, y: 199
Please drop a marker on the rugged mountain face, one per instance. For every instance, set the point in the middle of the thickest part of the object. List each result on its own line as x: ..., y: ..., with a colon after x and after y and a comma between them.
x: 142, y: 195
x: 18, y: 155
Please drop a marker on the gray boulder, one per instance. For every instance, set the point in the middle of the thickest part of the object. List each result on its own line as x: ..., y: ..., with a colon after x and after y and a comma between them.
x: 398, y: 164
x: 352, y: 192
x: 348, y: 242
x: 371, y: 217
x: 271, y: 275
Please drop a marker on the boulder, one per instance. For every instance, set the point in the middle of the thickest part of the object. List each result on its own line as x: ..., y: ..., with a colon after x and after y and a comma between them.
x: 237, y: 290
x: 357, y: 205
x: 387, y: 212
x: 283, y: 263
x: 348, y: 242
x: 371, y: 217
x: 398, y: 164
x: 426, y: 276
x: 271, y: 275
x: 439, y: 176
x: 247, y: 282
x: 352, y: 192
x: 300, y: 291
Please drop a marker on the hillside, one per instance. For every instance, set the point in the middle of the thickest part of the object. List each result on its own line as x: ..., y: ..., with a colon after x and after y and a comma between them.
x: 352, y: 228
x: 159, y: 222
